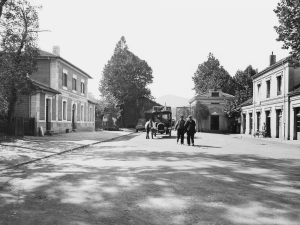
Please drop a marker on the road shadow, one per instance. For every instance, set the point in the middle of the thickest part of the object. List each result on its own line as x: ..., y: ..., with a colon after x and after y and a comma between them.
x: 99, y: 186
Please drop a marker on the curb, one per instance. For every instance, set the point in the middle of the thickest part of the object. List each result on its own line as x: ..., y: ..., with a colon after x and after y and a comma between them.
x: 272, y: 140
x: 66, y: 151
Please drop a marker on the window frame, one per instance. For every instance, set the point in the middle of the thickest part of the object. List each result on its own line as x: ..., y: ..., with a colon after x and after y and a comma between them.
x: 82, y: 87
x: 81, y: 112
x: 64, y: 116
x: 279, y: 85
x: 65, y: 79
x: 268, y: 88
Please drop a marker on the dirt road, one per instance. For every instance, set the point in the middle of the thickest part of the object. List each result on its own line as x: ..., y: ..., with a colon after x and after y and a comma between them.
x: 223, y: 179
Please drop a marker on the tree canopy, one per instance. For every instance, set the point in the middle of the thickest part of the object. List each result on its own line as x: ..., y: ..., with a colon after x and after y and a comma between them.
x: 243, y: 86
x: 18, y: 52
x: 288, y: 13
x: 125, y: 77
x: 211, y: 75
x: 201, y: 112
x: 2, y: 3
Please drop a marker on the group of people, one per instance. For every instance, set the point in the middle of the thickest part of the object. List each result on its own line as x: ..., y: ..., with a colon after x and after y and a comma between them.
x: 188, y: 127
x: 182, y: 127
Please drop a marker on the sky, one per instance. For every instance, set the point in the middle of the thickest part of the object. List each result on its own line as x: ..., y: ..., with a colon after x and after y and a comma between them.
x: 173, y: 36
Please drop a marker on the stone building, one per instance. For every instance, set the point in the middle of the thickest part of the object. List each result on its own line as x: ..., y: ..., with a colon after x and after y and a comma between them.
x: 61, y: 102
x: 215, y: 101
x: 275, y: 102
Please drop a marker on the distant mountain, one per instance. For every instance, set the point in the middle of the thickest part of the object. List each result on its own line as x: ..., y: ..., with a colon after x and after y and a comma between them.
x: 173, y: 101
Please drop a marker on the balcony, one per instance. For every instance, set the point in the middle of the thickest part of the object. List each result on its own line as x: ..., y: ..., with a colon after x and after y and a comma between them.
x: 268, y: 95
x: 278, y: 92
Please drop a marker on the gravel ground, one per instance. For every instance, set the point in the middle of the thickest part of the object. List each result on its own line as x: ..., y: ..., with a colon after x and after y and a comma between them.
x: 223, y: 179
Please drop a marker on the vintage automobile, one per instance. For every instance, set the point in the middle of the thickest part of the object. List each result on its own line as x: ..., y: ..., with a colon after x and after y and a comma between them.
x: 162, y: 120
x: 140, y: 125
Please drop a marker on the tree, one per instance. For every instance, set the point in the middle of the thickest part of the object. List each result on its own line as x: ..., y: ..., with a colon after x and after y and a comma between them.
x: 105, y: 105
x: 2, y: 3
x: 125, y: 77
x: 288, y: 13
x: 211, y: 75
x: 243, y: 86
x: 182, y: 111
x: 201, y: 112
x: 18, y: 52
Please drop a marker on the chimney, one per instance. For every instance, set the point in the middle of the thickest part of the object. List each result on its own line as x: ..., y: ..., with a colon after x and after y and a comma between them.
x: 56, y: 50
x: 272, y: 59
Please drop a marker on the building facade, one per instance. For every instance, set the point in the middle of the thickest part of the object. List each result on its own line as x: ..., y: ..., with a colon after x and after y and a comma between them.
x: 215, y: 101
x: 61, y: 103
x: 275, y: 102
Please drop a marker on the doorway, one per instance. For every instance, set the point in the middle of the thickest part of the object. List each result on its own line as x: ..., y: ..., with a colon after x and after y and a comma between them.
x: 278, y: 123
x: 296, y: 123
x: 244, y: 123
x: 48, y: 114
x: 250, y: 123
x: 268, y: 123
x: 73, y: 117
x: 214, y: 122
x: 258, y: 120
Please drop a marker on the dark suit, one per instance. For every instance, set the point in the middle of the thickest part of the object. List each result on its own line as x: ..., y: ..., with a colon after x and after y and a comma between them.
x: 180, y: 130
x: 190, y: 128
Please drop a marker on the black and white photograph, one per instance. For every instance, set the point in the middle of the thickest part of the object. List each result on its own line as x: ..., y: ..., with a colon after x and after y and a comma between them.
x: 149, y: 112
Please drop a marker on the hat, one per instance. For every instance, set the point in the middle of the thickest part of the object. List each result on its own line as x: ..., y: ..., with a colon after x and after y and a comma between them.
x: 190, y: 116
x: 181, y: 116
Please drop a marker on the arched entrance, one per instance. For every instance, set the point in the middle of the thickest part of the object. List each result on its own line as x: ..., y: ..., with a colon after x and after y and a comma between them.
x: 73, y: 117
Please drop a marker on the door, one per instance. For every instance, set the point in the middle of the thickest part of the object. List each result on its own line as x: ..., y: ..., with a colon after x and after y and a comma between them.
x: 214, y: 122
x: 258, y: 120
x: 268, y: 123
x: 48, y: 108
x: 250, y: 123
x: 73, y: 116
x: 244, y: 123
x: 278, y: 123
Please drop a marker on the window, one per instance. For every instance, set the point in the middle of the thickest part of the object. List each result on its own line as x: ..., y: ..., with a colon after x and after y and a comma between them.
x: 82, y: 87
x: 279, y: 82
x: 81, y: 113
x: 64, y: 110
x: 258, y: 92
x: 268, y: 88
x: 90, y: 114
x: 215, y: 94
x: 64, y: 79
x: 74, y: 84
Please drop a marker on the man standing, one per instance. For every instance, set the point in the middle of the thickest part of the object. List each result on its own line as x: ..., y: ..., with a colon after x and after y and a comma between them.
x: 148, y: 127
x: 190, y: 127
x: 180, y: 130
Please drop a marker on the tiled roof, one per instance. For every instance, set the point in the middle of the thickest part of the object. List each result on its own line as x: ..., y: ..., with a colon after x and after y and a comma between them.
x: 44, y: 87
x: 248, y: 102
x: 45, y: 54
x: 279, y: 63
x: 294, y: 92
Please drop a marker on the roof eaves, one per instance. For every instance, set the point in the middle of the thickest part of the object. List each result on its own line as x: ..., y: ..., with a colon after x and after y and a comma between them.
x: 280, y: 62
x: 51, y: 55
x: 45, y: 88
